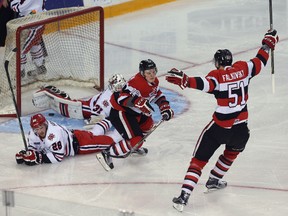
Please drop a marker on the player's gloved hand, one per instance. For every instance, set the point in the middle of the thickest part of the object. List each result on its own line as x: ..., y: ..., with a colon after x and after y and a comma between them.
x: 177, y: 77
x: 144, y: 105
x: 32, y: 158
x: 19, y: 157
x: 270, y: 39
x: 166, y: 111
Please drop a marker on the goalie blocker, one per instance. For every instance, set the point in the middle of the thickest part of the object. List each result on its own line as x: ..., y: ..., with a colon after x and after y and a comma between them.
x: 51, y: 97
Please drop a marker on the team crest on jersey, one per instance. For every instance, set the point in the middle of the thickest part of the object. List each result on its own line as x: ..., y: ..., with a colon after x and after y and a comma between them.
x: 51, y: 136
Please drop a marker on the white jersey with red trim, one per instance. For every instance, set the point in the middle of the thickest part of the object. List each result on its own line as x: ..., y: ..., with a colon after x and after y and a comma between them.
x: 100, y: 103
x: 56, y: 145
x: 25, y: 7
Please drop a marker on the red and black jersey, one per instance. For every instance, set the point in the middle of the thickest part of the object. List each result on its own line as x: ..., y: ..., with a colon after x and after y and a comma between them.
x: 136, y: 87
x: 230, y: 88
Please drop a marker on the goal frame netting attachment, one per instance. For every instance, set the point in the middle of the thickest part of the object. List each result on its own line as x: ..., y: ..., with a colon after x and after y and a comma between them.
x: 53, y: 21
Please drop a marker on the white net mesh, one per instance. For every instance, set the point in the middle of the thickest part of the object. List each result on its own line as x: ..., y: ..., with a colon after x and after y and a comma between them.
x: 58, y: 47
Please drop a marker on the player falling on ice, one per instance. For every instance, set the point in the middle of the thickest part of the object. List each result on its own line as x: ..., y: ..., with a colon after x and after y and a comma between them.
x: 229, y: 84
x: 94, y: 110
x: 49, y: 142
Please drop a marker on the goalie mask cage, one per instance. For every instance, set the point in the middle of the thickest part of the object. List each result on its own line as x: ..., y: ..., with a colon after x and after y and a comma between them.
x: 72, y: 44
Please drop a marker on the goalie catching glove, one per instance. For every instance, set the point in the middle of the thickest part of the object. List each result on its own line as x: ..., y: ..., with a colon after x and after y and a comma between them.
x: 144, y: 105
x: 29, y: 157
x: 178, y: 77
x: 270, y: 39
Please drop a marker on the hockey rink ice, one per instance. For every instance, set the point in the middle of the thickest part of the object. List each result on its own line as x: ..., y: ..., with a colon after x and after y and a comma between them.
x: 184, y: 34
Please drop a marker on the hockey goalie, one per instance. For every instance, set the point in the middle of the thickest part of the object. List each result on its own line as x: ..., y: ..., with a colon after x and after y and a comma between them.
x: 93, y: 110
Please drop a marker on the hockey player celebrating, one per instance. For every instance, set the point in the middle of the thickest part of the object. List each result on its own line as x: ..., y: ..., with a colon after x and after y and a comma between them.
x: 131, y: 111
x: 49, y: 142
x: 229, y: 84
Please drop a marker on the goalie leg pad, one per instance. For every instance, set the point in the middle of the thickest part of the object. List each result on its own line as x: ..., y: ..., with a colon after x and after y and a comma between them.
x: 41, y: 99
x: 65, y: 107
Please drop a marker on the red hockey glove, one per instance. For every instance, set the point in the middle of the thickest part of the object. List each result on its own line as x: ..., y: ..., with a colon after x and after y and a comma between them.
x: 32, y: 158
x: 166, y: 111
x: 270, y: 39
x: 178, y: 77
x: 19, y: 157
x: 144, y: 105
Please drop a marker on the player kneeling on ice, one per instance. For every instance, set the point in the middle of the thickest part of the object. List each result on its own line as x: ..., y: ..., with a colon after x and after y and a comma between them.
x: 229, y: 84
x: 49, y: 142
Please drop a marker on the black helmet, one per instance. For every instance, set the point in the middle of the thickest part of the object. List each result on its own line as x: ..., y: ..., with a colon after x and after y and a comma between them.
x: 146, y: 65
x: 223, y: 58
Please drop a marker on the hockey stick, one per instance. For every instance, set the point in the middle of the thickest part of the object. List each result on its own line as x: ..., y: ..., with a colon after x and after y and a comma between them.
x: 6, y: 65
x: 140, y: 142
x: 272, y: 51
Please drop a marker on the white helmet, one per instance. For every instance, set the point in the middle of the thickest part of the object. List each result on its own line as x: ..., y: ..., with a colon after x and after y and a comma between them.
x: 116, y: 82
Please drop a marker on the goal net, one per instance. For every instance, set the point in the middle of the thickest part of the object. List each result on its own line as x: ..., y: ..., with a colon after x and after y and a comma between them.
x: 58, y: 47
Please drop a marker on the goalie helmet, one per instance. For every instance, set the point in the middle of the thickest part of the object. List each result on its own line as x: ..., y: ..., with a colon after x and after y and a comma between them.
x: 37, y: 120
x: 147, y: 65
x: 223, y: 58
x: 116, y: 82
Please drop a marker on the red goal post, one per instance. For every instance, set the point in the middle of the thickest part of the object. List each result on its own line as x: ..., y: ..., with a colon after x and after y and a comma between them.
x: 71, y: 42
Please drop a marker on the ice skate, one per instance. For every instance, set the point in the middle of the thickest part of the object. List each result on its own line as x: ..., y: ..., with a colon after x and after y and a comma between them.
x: 41, y: 70
x: 23, y: 73
x: 181, y: 201
x: 140, y: 152
x: 215, y: 184
x: 105, y: 160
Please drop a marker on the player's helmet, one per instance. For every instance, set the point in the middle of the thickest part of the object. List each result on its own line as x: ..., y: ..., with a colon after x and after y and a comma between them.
x: 223, y: 58
x: 147, y: 65
x: 37, y: 120
x: 116, y: 82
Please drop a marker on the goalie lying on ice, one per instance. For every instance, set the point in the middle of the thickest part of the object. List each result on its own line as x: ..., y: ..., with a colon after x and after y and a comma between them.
x: 49, y: 142
x: 93, y: 110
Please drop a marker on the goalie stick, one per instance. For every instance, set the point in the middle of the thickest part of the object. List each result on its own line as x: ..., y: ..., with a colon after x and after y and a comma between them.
x: 102, y: 160
x: 6, y: 65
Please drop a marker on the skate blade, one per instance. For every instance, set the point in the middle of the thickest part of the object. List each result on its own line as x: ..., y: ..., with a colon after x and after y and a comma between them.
x: 178, y: 207
x: 211, y: 190
x: 134, y: 154
x: 34, y: 73
x: 102, y: 161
